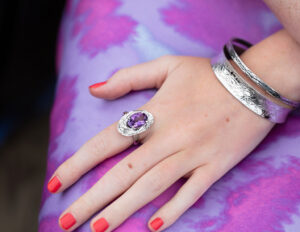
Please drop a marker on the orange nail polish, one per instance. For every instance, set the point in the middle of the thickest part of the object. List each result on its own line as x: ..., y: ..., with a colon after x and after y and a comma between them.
x: 157, y: 223
x: 100, y: 225
x: 54, y: 184
x: 94, y: 86
x: 67, y: 221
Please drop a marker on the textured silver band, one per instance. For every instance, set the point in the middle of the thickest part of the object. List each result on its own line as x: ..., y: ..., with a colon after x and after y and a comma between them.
x: 244, y: 92
x: 135, y: 139
x: 242, y: 45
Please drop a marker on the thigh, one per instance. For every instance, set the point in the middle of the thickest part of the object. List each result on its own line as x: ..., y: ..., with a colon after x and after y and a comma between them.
x: 96, y: 38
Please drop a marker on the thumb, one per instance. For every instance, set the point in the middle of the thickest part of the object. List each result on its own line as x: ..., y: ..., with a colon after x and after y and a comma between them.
x: 150, y: 74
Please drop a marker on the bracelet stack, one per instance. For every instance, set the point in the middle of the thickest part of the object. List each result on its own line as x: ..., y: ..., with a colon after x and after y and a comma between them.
x: 242, y: 90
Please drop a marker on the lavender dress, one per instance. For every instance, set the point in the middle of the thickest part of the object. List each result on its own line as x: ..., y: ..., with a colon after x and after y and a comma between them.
x: 97, y: 37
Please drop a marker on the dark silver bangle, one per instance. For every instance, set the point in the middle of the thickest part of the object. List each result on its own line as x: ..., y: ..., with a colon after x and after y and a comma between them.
x: 242, y: 45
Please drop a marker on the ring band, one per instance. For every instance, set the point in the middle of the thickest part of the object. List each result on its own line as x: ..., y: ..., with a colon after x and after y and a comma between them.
x: 134, y: 122
x: 135, y: 139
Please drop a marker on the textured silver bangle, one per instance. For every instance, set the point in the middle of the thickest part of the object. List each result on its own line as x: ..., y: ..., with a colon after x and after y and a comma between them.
x: 242, y: 45
x: 244, y: 92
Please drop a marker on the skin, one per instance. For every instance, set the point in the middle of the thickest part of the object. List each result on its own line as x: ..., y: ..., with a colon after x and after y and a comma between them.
x: 198, y: 133
x: 204, y: 154
x: 288, y: 13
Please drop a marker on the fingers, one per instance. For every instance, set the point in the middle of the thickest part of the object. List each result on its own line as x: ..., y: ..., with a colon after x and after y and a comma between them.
x: 141, y: 76
x: 107, y: 143
x: 145, y: 189
x: 187, y: 195
x: 116, y: 181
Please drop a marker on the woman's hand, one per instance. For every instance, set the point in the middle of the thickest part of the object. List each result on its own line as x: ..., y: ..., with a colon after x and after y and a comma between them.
x: 200, y: 132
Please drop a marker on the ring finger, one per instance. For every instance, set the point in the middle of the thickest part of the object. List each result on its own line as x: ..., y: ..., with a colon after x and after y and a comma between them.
x: 116, y: 180
x: 149, y: 186
x: 105, y: 144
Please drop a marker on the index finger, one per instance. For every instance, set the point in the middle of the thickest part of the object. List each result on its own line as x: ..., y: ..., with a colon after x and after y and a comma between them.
x: 102, y: 146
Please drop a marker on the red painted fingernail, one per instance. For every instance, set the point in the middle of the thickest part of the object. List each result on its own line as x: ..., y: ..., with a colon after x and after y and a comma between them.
x: 157, y: 223
x: 67, y: 221
x: 100, y: 225
x: 54, y: 184
x: 94, y: 86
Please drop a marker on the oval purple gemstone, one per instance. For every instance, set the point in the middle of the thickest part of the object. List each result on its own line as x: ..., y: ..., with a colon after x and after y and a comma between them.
x: 137, y: 120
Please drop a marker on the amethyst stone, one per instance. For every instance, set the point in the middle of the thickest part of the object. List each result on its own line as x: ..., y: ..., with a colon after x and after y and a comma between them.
x: 137, y: 120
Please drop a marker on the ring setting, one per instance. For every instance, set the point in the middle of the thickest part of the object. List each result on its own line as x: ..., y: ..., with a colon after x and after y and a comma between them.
x: 135, y: 122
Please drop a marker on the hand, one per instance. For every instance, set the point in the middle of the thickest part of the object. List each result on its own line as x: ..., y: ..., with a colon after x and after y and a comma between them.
x: 200, y: 132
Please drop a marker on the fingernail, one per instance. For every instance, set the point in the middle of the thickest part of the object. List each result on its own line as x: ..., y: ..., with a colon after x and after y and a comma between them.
x: 54, y: 184
x: 157, y: 223
x: 94, y: 86
x: 100, y: 225
x: 67, y: 221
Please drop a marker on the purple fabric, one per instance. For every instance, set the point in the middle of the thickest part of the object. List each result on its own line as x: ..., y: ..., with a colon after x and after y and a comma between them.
x: 98, y: 37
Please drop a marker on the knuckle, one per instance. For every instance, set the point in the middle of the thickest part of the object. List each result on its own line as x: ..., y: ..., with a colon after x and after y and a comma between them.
x: 98, y: 145
x: 155, y: 183
x: 123, y: 72
x: 68, y: 167
x: 121, y: 178
x: 87, y: 204
x: 194, y: 196
x: 208, y: 178
x: 173, y: 62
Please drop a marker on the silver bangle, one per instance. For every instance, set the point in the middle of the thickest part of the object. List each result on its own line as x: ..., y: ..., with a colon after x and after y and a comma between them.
x: 244, y: 92
x: 242, y: 45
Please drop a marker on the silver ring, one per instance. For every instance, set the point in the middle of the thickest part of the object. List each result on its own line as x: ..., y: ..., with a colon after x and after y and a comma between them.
x: 135, y: 122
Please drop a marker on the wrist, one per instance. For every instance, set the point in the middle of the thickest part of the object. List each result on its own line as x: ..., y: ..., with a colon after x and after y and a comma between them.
x: 276, y: 61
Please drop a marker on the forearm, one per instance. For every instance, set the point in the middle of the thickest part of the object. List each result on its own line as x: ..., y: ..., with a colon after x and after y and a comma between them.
x: 276, y: 60
x: 288, y: 13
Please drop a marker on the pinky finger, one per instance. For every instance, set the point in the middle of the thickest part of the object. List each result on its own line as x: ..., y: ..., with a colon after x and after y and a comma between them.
x: 201, y: 179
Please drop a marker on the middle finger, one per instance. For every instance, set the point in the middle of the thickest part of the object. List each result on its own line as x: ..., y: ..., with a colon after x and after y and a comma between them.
x: 117, y: 180
x: 149, y: 186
